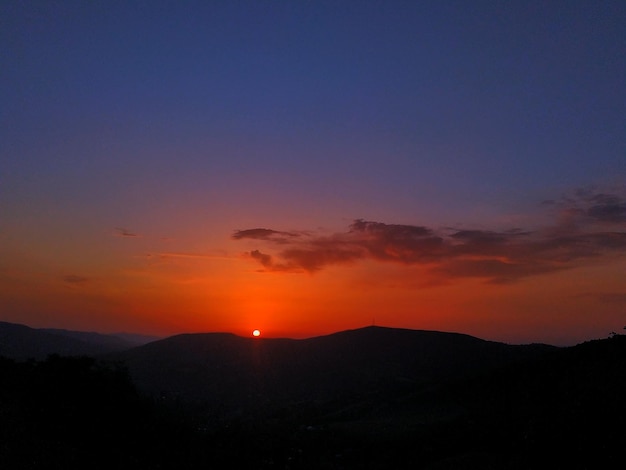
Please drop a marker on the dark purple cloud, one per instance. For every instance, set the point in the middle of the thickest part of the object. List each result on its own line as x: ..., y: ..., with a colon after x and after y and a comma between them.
x: 264, y: 234
x: 598, y: 206
x: 607, y: 208
x: 578, y: 234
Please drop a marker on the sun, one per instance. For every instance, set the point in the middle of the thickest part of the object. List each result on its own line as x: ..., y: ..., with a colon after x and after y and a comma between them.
x: 256, y: 333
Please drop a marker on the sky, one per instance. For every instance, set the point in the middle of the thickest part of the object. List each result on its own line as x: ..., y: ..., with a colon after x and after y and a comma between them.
x: 305, y: 167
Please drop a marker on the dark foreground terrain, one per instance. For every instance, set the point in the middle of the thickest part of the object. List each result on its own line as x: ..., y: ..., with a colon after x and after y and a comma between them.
x: 449, y: 401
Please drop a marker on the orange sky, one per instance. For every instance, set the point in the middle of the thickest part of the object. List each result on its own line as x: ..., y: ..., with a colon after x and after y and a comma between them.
x: 127, y: 281
x: 307, y: 167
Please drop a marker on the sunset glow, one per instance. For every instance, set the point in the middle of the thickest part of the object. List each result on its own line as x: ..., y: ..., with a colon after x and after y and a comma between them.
x: 306, y: 167
x: 256, y: 333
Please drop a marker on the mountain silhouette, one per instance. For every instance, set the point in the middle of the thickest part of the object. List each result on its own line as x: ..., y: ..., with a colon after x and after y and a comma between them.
x: 238, y: 373
x: 111, y: 342
x: 22, y: 342
x: 371, y: 398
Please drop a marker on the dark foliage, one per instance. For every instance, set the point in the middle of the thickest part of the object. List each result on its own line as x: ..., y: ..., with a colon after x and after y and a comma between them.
x: 66, y: 412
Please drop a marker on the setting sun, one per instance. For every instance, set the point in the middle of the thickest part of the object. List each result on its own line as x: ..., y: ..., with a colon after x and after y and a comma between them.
x: 256, y: 333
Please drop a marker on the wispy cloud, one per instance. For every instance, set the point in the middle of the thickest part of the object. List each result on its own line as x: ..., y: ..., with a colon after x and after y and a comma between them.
x: 186, y: 255
x: 123, y: 232
x: 587, y: 226
x: 606, y: 297
x: 591, y: 205
x: 74, y: 280
x: 274, y: 236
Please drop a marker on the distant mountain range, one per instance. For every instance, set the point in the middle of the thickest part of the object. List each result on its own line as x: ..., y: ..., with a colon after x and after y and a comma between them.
x: 267, y: 373
x: 367, y: 398
x: 22, y: 342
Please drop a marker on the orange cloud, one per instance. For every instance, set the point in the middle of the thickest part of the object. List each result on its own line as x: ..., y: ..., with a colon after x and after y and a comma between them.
x: 590, y: 226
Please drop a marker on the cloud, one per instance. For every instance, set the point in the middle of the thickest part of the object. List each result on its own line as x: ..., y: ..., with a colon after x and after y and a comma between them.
x: 608, y: 208
x: 75, y: 281
x: 265, y: 234
x: 494, y: 271
x: 591, y: 205
x: 180, y: 255
x: 587, y: 226
x: 606, y: 297
x: 122, y: 232
x: 186, y: 255
x: 265, y: 260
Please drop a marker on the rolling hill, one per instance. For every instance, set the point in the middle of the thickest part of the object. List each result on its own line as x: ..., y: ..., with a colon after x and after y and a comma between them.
x: 22, y: 342
x: 371, y: 398
x: 253, y: 373
x: 392, y: 398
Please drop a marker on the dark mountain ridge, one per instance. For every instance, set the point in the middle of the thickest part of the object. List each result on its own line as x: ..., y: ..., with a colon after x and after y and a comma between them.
x: 368, y: 398
x: 22, y: 342
x: 246, y: 373
x: 112, y: 341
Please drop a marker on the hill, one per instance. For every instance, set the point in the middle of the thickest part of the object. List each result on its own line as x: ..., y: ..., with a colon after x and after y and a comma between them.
x: 111, y: 342
x: 371, y: 398
x: 389, y: 398
x: 22, y: 342
x: 244, y: 374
